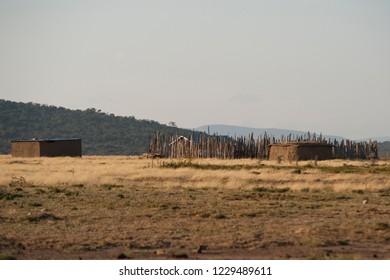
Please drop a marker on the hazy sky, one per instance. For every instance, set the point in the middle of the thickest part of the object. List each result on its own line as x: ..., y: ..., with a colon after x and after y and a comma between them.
x: 318, y: 65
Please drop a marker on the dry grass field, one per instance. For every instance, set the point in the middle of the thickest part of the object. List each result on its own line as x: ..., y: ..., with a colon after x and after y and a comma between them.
x: 127, y: 207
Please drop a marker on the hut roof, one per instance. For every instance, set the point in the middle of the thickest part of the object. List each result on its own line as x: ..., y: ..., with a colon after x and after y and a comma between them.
x: 45, y: 140
x: 301, y: 144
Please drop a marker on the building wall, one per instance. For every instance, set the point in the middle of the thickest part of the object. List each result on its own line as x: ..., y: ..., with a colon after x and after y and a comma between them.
x: 300, y: 152
x: 283, y: 152
x: 311, y: 153
x: 60, y: 148
x: 25, y: 149
x: 47, y: 148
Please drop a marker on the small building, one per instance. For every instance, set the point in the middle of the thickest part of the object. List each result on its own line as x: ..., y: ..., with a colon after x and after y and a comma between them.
x: 46, y: 148
x: 301, y: 151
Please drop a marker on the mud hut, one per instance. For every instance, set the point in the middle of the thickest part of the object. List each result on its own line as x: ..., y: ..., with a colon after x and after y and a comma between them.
x: 300, y: 151
x: 46, y: 148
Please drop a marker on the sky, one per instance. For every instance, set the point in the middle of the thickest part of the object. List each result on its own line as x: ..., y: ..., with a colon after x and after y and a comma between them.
x: 308, y: 65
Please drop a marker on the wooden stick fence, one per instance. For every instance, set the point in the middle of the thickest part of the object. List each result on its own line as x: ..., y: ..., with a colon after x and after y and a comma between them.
x: 202, y: 145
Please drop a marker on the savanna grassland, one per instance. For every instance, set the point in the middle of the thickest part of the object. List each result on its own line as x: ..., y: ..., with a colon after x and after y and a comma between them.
x: 109, y: 207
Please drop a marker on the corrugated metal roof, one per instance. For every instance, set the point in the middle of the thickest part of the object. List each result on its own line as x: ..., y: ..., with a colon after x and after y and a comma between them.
x: 302, y: 144
x: 47, y: 140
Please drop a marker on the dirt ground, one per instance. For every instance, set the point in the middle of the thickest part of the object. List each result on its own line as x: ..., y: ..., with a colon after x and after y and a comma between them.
x: 143, y: 218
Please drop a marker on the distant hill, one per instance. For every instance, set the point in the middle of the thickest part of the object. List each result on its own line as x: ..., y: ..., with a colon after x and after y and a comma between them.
x: 101, y: 133
x: 232, y: 130
x: 379, y: 139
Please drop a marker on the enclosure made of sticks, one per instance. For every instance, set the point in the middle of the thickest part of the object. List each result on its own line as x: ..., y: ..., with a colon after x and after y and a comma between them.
x: 202, y: 145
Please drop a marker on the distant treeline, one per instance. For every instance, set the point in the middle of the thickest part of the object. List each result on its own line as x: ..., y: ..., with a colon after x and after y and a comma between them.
x: 101, y: 133
x: 384, y: 149
x: 206, y: 146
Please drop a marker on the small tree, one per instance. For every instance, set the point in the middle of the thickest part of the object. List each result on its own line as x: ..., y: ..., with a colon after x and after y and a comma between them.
x: 172, y: 124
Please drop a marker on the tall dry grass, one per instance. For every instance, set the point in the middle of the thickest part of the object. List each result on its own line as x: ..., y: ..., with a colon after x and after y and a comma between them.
x: 243, y: 173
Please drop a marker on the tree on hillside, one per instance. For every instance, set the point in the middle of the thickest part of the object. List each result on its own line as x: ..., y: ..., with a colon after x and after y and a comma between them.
x: 101, y: 133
